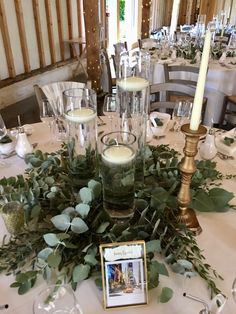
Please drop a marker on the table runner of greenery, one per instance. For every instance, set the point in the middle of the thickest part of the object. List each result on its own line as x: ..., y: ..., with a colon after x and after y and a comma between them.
x: 65, y: 223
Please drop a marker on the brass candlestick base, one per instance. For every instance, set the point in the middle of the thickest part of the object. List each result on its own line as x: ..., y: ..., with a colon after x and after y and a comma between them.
x: 187, y: 215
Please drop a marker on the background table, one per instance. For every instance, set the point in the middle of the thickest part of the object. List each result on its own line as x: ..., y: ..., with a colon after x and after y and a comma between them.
x: 217, y: 242
x: 220, y: 81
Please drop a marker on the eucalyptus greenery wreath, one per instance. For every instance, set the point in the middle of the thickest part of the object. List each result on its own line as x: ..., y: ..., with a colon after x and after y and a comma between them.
x: 65, y: 222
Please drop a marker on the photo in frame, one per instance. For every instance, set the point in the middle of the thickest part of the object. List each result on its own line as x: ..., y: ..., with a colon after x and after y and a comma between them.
x: 124, y: 274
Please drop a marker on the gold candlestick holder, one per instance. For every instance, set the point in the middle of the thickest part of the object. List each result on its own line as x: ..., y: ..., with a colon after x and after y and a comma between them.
x: 187, y: 215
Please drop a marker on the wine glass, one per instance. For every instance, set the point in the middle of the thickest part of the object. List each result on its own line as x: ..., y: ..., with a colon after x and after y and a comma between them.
x: 3, y: 129
x: 234, y: 290
x: 110, y: 111
x: 47, y: 115
x: 56, y: 299
x: 3, y: 132
x: 181, y: 113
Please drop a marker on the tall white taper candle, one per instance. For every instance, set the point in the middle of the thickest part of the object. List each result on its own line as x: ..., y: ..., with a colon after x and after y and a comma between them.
x: 198, y: 99
x: 174, y: 16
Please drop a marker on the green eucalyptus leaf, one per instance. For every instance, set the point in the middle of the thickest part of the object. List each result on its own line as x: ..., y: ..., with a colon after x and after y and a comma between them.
x: 186, y: 264
x: 22, y: 277
x: 86, y: 195
x: 68, y: 211
x: 83, y: 210
x: 78, y: 225
x: 81, y: 272
x: 35, y: 211
x: 159, y: 268
x: 177, y: 268
x: 87, y: 247
x: 51, y: 239
x: 54, y: 259
x: 103, y: 226
x: 90, y: 259
x: 25, y: 287
x: 221, y: 198
x: 153, y: 246
x: 166, y: 295
x: 61, y: 222
x: 96, y: 187
x: 43, y: 254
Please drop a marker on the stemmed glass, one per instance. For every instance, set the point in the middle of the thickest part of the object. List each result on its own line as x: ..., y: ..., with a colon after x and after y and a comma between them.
x: 3, y: 132
x: 181, y: 113
x: 47, y: 115
x: 3, y: 129
x: 110, y: 110
x: 56, y: 299
x: 234, y: 290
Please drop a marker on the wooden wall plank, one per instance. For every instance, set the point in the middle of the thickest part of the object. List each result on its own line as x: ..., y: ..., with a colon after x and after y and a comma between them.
x: 6, y: 41
x: 50, y: 30
x: 207, y: 7
x: 39, y: 33
x: 80, y: 18
x: 146, y: 4
x: 60, y: 30
x: 23, y: 41
x: 70, y: 26
x: 92, y: 42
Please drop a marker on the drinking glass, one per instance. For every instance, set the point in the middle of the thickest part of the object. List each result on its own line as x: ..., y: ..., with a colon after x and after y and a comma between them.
x: 80, y: 112
x: 3, y: 132
x: 3, y: 129
x: 47, y: 115
x: 181, y: 114
x: 56, y: 299
x: 110, y: 109
x: 234, y: 290
x: 118, y: 151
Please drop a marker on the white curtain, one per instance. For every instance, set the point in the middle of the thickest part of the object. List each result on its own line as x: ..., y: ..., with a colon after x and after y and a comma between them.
x: 157, y: 13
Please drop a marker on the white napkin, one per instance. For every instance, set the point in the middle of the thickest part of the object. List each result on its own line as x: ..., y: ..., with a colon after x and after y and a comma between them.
x: 223, y: 58
x: 222, y: 147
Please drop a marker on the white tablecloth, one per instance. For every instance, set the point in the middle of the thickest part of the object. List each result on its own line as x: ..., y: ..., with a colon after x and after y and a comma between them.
x: 217, y: 242
x: 221, y: 81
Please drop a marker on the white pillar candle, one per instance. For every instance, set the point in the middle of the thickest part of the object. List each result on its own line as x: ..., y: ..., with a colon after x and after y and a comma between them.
x: 198, y: 99
x: 81, y: 115
x: 174, y: 16
x: 118, y: 154
x: 133, y: 84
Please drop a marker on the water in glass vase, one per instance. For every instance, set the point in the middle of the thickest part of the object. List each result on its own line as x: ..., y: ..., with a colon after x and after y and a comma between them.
x: 118, y: 171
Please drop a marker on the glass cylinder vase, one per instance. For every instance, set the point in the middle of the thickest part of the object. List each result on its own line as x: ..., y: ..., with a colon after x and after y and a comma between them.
x: 133, y: 101
x: 80, y: 111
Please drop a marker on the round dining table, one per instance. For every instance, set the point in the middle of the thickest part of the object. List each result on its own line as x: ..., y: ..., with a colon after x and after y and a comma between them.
x: 217, y: 242
x: 220, y: 81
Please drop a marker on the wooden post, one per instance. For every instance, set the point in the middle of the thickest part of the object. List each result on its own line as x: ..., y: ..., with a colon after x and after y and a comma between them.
x: 92, y: 42
x: 146, y: 4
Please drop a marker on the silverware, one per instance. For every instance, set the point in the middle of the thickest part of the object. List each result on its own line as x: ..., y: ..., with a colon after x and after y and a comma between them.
x: 224, y: 157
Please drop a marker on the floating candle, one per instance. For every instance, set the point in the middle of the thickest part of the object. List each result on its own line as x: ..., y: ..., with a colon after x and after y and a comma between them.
x: 133, y: 84
x: 118, y: 154
x: 81, y: 115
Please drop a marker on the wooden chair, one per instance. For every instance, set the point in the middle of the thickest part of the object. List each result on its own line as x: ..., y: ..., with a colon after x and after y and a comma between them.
x: 187, y: 93
x: 147, y: 43
x: 227, y: 114
x: 54, y: 91
x: 119, y: 47
x: 172, y: 74
x: 107, y: 83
